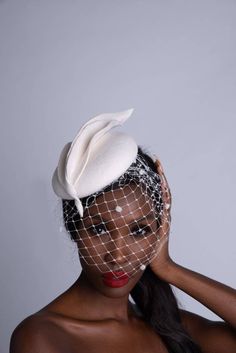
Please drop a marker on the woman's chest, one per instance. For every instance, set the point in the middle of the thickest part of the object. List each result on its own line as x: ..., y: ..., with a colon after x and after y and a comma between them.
x: 111, y: 345
x: 115, y: 339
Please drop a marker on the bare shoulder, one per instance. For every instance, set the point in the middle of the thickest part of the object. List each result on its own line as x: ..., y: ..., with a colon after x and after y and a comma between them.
x: 36, y: 333
x: 212, y: 336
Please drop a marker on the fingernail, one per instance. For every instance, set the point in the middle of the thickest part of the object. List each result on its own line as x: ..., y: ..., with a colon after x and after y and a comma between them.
x: 160, y: 166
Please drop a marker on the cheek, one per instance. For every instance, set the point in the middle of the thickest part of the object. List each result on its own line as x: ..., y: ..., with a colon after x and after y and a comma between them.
x: 145, y: 247
x: 92, y: 252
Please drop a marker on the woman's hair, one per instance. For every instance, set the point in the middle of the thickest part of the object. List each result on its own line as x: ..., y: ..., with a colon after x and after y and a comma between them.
x: 154, y: 297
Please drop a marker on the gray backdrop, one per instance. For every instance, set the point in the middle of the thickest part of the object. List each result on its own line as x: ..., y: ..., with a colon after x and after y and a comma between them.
x: 63, y: 62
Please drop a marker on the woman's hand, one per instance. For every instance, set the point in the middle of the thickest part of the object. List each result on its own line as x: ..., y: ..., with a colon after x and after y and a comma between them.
x: 162, y: 260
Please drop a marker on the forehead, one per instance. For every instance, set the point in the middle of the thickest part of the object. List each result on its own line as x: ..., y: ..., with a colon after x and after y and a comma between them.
x: 132, y: 198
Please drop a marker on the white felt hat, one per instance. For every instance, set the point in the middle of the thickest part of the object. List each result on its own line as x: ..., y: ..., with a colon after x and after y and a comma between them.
x: 96, y: 157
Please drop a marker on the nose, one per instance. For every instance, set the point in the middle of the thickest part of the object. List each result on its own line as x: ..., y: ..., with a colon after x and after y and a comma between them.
x: 117, y: 252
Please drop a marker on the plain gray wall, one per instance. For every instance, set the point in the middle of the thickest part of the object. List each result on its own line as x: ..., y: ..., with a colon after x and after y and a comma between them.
x: 63, y: 62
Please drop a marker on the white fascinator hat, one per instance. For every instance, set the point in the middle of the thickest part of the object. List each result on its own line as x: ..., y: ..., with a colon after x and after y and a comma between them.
x: 96, y: 157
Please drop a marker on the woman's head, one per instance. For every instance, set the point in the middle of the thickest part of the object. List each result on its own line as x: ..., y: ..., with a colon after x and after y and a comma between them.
x: 119, y: 230
x: 111, y: 195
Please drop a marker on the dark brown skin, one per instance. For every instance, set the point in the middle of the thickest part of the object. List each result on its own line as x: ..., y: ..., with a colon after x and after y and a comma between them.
x: 91, y: 318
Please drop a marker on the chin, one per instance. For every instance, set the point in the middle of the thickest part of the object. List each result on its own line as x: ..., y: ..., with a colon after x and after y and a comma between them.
x: 112, y: 289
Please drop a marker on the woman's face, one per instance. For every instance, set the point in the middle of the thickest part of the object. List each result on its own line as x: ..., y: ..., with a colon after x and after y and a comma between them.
x: 117, y: 233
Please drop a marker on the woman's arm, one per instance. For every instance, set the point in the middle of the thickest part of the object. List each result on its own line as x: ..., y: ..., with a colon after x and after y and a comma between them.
x: 217, y: 297
x: 211, y: 336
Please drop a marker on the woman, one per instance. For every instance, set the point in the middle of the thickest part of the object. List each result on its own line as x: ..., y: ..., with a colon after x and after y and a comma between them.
x: 116, y: 207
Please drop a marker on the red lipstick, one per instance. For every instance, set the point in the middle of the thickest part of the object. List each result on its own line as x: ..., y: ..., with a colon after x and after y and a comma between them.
x: 115, y: 279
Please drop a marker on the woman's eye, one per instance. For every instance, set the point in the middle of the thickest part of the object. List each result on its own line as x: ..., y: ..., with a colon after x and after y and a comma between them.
x: 97, y: 229
x: 141, y: 230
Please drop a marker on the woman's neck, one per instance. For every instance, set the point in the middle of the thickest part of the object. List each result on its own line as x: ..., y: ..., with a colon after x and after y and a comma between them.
x: 97, y: 306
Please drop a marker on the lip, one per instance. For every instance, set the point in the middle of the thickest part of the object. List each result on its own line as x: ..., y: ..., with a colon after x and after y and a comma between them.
x: 110, y: 280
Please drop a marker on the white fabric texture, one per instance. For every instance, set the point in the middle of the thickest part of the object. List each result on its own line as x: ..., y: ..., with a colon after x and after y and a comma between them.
x: 97, y: 156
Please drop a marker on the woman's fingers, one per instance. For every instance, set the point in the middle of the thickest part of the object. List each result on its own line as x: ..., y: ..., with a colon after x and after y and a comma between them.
x: 166, y: 194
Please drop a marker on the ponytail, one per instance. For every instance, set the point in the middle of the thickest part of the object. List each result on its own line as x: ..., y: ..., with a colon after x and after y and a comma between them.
x: 158, y: 306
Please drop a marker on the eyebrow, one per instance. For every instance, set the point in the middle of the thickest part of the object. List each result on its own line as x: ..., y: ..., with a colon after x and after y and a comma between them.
x: 148, y: 217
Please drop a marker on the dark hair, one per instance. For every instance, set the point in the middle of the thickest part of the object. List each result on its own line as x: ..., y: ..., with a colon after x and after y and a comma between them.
x: 155, y: 298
